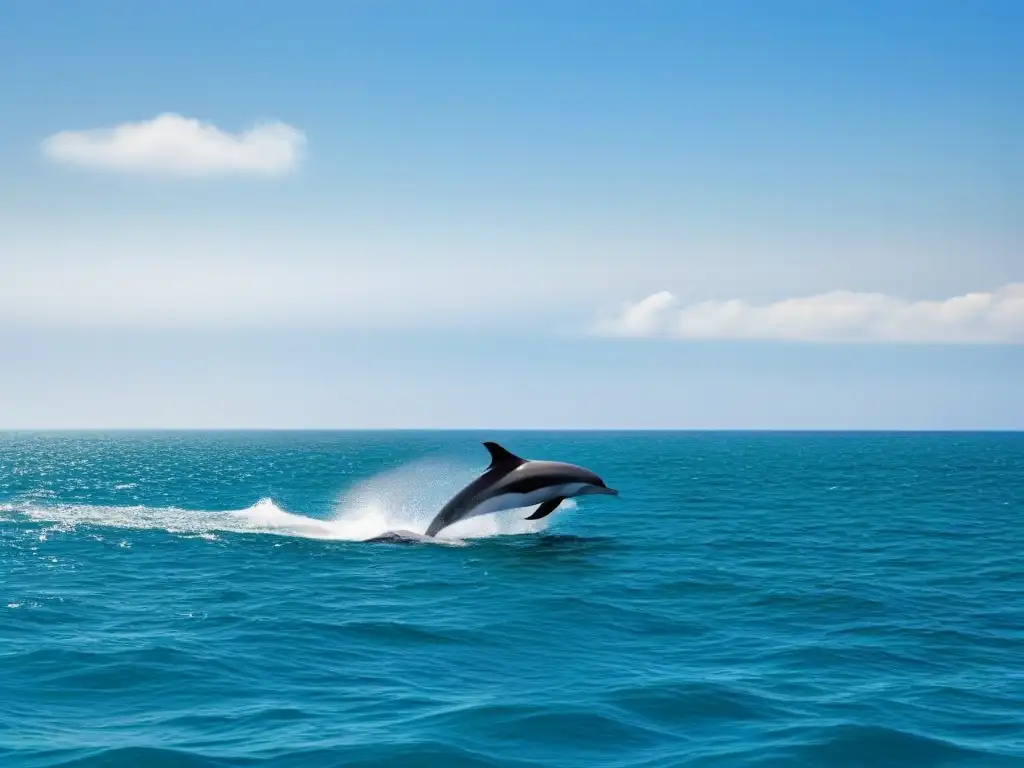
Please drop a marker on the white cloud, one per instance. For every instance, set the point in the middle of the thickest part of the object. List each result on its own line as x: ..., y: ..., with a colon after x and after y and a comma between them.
x: 174, y: 145
x: 838, y: 316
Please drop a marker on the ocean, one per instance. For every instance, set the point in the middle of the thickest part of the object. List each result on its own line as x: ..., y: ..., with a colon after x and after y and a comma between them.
x: 751, y: 599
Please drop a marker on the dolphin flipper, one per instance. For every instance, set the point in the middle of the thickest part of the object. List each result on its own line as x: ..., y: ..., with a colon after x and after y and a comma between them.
x: 546, y: 508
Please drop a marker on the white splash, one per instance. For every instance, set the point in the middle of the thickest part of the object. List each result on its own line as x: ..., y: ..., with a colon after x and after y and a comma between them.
x: 402, y: 499
x: 407, y: 498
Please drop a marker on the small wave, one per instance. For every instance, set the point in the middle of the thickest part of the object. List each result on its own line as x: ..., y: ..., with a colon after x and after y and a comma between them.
x: 132, y: 756
x: 864, y: 744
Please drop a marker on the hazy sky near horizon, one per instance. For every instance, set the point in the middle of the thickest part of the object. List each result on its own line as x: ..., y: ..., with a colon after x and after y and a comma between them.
x: 593, y: 214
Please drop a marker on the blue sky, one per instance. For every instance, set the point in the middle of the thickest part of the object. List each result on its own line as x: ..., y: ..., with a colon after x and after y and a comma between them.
x: 512, y: 214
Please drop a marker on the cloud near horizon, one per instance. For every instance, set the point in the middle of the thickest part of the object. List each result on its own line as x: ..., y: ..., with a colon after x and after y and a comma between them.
x: 838, y: 316
x: 173, y: 145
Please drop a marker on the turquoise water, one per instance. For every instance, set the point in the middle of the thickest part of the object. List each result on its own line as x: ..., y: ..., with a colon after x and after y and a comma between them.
x: 175, y: 599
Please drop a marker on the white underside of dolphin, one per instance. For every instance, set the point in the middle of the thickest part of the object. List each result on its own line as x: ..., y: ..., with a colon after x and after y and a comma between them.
x: 506, y: 501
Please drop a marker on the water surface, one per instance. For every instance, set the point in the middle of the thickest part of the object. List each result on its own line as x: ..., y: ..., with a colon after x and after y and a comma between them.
x: 204, y: 599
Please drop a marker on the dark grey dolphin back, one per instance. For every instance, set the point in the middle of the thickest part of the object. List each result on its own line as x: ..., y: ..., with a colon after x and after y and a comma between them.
x: 503, y: 461
x: 540, y: 474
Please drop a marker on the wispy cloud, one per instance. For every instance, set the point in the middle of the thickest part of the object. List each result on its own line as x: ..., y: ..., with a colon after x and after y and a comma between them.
x: 171, y: 144
x: 240, y: 283
x: 839, y: 316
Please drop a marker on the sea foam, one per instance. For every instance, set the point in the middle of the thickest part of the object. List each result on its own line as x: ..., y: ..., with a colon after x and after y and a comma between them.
x: 403, y: 499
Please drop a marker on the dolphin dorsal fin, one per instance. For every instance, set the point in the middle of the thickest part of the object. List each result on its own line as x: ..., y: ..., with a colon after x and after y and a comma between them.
x: 501, y: 458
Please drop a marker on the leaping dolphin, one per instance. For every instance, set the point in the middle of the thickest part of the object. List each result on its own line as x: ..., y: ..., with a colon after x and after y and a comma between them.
x: 511, y: 482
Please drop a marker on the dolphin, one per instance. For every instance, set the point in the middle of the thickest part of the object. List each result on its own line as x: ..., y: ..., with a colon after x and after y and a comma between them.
x: 511, y: 482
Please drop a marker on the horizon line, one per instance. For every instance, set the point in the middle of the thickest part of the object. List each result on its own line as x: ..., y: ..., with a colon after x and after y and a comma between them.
x: 621, y: 430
